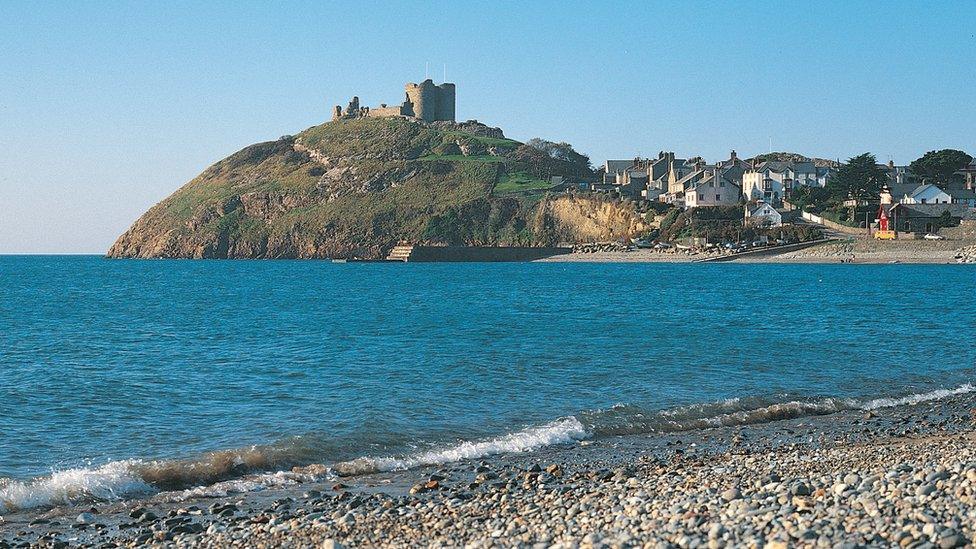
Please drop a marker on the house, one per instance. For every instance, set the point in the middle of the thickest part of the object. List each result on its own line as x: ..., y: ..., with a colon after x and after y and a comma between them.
x: 776, y: 180
x: 643, y: 177
x: 759, y: 185
x: 926, y: 218
x: 898, y: 175
x: 711, y: 188
x: 927, y: 194
x: 965, y: 196
x: 734, y: 168
x: 800, y: 174
x: 762, y: 214
x: 823, y: 174
x: 967, y: 176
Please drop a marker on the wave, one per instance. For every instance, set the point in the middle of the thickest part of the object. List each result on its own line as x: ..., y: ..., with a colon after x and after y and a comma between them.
x: 917, y: 398
x: 112, y: 481
x: 234, y: 471
x: 624, y: 420
x: 563, y: 430
x: 221, y: 472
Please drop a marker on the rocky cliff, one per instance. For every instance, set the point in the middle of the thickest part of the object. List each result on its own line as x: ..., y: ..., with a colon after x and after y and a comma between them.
x: 354, y: 188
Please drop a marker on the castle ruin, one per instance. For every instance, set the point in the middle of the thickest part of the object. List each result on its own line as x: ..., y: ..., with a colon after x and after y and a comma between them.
x: 425, y: 101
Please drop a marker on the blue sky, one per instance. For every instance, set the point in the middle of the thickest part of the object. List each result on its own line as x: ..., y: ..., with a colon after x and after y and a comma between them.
x: 106, y: 108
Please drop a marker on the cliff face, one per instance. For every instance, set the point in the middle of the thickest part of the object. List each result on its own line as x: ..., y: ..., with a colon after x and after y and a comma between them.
x: 354, y: 189
x: 587, y: 219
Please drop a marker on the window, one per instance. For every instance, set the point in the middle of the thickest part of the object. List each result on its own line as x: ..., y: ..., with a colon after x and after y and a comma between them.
x: 721, y: 184
x: 701, y: 197
x: 718, y: 197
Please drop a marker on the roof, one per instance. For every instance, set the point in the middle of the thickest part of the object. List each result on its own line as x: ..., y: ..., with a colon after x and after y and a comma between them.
x: 900, y: 190
x: 935, y: 210
x: 923, y: 188
x: 708, y: 176
x: 773, y: 165
x: 688, y: 180
x: 804, y: 167
x: 618, y: 165
x: 753, y: 210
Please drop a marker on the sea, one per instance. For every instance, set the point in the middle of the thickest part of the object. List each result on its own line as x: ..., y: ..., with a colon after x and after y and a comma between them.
x: 134, y: 378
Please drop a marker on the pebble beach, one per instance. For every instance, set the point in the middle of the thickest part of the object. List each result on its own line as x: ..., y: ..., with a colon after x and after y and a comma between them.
x: 899, y: 476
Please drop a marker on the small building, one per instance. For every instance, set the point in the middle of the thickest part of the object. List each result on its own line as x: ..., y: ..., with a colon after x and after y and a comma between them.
x: 927, y: 218
x: 927, y: 194
x: 762, y: 214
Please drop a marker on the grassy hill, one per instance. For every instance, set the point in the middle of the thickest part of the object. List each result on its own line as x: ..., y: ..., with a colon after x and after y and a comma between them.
x: 354, y: 189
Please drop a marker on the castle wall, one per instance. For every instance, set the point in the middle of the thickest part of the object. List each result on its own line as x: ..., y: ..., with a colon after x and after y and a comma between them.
x: 432, y: 102
x: 385, y: 112
x: 445, y: 102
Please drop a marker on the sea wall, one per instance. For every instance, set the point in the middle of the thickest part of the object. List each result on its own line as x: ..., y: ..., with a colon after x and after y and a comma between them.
x: 831, y: 224
x: 483, y: 254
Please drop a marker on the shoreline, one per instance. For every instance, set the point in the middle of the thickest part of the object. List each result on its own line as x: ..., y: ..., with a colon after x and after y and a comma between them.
x: 914, y: 465
x: 863, y: 251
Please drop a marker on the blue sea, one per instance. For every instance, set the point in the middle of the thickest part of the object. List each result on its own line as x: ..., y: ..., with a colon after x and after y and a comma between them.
x: 122, y: 378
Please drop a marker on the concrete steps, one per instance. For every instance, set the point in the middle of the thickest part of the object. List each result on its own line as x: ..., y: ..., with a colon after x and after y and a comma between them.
x: 400, y: 252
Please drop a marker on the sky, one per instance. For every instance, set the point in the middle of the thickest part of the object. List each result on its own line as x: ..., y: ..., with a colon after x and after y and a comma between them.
x: 108, y: 107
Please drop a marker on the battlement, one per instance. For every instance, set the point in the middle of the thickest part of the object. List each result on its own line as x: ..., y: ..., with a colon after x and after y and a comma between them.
x: 424, y: 101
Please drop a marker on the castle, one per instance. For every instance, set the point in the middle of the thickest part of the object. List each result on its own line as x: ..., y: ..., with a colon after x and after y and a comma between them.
x: 425, y: 101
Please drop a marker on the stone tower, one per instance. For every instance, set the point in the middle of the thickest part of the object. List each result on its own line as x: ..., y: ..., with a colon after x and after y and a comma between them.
x: 430, y: 102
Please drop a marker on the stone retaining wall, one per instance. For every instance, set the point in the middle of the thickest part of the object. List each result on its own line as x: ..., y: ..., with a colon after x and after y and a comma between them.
x: 482, y: 254
x: 832, y: 225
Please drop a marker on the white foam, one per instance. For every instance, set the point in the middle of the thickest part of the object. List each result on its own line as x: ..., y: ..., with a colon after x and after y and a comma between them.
x: 252, y: 483
x: 916, y: 398
x: 563, y: 430
x: 112, y: 481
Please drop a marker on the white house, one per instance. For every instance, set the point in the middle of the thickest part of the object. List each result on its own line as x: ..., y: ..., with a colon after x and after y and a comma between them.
x: 927, y: 194
x: 713, y: 189
x: 762, y: 214
x: 758, y: 185
x: 800, y: 174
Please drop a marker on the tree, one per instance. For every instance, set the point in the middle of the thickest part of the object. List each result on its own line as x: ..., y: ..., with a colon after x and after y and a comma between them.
x: 946, y: 220
x: 563, y: 152
x: 859, y: 179
x: 939, y: 166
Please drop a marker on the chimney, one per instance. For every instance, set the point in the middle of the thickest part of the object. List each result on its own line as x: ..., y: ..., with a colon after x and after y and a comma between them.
x: 733, y: 156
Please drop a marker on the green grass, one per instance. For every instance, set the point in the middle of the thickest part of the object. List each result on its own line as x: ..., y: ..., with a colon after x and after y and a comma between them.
x: 520, y: 183
x: 485, y: 158
x: 487, y: 141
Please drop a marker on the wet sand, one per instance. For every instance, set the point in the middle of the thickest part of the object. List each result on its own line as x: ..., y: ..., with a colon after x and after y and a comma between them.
x: 904, y: 475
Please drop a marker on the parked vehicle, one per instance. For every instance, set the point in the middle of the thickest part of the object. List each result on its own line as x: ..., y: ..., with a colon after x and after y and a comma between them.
x: 933, y: 236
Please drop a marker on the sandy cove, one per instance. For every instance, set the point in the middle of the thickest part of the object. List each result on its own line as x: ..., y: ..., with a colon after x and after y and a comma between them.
x: 901, y: 476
